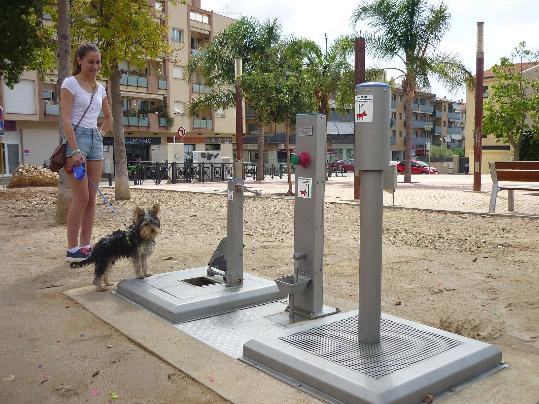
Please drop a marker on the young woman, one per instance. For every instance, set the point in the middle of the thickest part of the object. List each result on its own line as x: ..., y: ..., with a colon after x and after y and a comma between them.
x: 82, y: 99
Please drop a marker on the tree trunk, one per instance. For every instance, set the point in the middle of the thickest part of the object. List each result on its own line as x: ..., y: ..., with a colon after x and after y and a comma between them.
x: 260, y: 160
x: 64, y: 57
x: 409, y: 97
x: 288, y: 165
x: 121, y: 180
x: 516, y: 152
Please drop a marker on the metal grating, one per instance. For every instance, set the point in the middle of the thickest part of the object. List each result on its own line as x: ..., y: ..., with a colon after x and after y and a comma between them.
x: 400, y: 346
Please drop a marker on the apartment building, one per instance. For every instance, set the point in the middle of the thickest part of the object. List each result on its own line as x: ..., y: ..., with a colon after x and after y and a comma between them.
x: 492, y: 149
x: 155, y: 102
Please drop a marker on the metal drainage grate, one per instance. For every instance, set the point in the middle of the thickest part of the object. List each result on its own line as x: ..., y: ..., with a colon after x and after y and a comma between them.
x: 200, y: 281
x: 400, y: 346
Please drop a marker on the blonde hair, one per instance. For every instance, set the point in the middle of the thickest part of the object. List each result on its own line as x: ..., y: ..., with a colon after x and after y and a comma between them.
x: 81, y: 53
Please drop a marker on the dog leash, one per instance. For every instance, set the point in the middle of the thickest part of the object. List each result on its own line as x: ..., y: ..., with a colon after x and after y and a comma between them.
x: 105, y: 199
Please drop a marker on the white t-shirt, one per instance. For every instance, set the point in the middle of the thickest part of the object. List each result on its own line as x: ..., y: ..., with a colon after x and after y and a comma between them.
x: 81, y: 99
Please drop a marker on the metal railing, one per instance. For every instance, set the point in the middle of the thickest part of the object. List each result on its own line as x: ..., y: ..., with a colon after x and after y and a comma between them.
x: 157, y: 172
x: 134, y: 81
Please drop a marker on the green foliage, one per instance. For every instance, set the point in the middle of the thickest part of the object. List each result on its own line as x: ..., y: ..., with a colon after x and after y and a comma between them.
x: 529, y: 147
x: 123, y: 30
x: 26, y: 43
x: 248, y: 39
x: 410, y: 31
x: 512, y: 106
x: 443, y: 153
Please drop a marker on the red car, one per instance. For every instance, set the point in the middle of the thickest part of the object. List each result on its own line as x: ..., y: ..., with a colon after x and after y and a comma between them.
x: 345, y: 165
x: 418, y: 167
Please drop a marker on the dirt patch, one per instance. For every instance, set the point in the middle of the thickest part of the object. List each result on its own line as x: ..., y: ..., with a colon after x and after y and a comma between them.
x: 472, y: 275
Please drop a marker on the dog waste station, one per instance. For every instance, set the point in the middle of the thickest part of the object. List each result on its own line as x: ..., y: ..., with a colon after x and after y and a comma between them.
x: 282, y: 327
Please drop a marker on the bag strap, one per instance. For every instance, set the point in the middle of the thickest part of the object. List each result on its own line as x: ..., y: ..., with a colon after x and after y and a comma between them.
x: 83, y: 115
x: 87, y: 108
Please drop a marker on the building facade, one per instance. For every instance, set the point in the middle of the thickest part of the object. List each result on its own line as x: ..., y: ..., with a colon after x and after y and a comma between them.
x: 492, y: 149
x: 155, y: 101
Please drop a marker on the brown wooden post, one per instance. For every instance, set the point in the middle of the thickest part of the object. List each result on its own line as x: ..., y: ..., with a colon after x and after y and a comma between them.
x: 478, y: 132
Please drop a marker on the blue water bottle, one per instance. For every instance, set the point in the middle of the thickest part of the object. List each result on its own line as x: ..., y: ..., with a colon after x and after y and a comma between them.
x: 79, y: 171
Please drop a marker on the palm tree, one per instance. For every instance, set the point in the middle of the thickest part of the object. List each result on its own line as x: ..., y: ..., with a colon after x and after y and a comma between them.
x: 247, y: 39
x: 410, y: 31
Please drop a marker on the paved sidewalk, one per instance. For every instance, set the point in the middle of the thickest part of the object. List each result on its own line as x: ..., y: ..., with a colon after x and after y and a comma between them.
x: 435, y: 192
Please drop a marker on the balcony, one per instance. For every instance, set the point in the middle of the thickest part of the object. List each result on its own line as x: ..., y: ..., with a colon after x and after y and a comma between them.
x: 454, y: 131
x: 202, y: 124
x: 133, y: 81
x: 454, y: 116
x: 421, y: 124
x: 200, y: 88
x: 162, y: 84
x: 419, y: 141
x: 428, y: 109
x: 393, y: 105
x: 135, y: 121
x: 52, y: 109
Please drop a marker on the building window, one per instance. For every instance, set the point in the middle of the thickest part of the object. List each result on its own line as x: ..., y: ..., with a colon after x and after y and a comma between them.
x: 400, y: 116
x: 400, y: 133
x: 199, y: 17
x: 212, y: 147
x: 21, y: 99
x: 177, y: 72
x: 394, y: 133
x: 158, y: 5
x: 220, y: 113
x: 179, y: 108
x: 444, y: 124
x: 177, y: 35
x: 394, y: 115
x: 394, y: 97
x: 444, y: 107
x: 485, y: 91
x: 400, y: 98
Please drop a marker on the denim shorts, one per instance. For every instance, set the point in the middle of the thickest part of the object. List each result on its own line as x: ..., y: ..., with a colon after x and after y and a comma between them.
x: 90, y: 143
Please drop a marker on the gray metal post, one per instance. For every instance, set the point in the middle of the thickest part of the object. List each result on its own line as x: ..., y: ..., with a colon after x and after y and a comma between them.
x: 372, y: 120
x: 234, y: 229
x: 309, y: 212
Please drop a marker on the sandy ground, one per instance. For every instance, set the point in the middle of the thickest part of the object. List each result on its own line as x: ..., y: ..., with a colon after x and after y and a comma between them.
x: 473, y: 275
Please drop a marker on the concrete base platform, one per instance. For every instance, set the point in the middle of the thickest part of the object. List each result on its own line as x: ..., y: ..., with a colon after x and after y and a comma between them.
x: 190, y: 294
x: 410, y: 362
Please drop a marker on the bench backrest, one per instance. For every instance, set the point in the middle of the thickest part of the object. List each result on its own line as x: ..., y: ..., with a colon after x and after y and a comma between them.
x: 516, y: 171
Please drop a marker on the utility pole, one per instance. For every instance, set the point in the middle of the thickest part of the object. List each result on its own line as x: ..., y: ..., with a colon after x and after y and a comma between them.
x: 359, y: 77
x: 478, y: 132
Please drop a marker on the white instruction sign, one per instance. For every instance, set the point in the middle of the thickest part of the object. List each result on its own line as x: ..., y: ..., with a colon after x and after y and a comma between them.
x: 364, y: 108
x: 230, y: 196
x: 305, y: 187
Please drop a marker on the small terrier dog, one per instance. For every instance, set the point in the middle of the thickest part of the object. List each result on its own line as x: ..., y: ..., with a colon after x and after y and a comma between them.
x: 137, y: 243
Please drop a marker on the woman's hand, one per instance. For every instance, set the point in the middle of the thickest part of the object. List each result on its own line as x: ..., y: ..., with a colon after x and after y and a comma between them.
x: 78, y: 159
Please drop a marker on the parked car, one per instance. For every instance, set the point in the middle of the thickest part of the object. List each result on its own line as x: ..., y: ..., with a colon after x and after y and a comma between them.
x: 345, y: 165
x: 418, y: 167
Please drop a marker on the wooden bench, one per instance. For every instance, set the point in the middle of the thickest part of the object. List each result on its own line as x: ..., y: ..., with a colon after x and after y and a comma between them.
x: 525, y: 173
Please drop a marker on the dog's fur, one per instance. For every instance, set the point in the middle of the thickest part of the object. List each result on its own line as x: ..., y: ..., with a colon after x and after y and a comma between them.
x: 137, y: 243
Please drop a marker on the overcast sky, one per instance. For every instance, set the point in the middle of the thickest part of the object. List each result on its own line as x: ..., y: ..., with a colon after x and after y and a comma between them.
x: 507, y: 22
